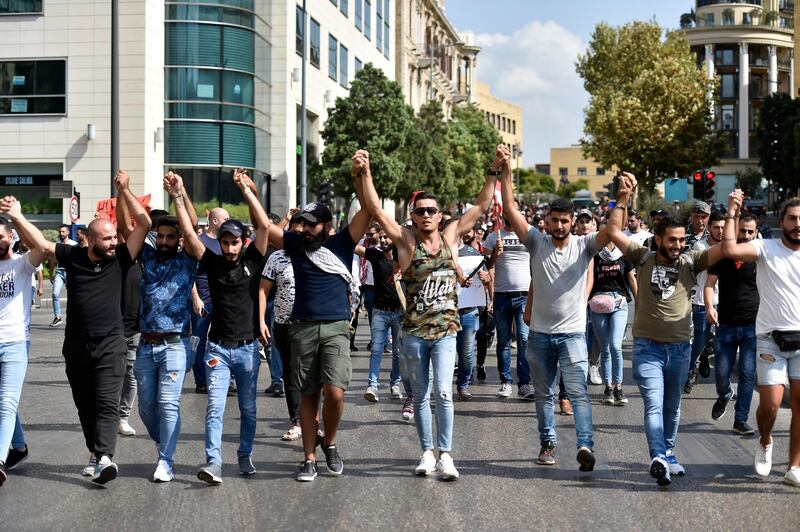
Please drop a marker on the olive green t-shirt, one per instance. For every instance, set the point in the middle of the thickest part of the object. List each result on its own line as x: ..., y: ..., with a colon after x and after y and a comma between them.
x: 664, y: 298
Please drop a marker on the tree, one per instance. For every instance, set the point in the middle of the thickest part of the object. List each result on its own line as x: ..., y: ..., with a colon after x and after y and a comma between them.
x: 374, y: 117
x: 531, y: 181
x: 649, y: 110
x: 567, y: 190
x: 472, y: 142
x: 750, y: 182
x: 778, y: 139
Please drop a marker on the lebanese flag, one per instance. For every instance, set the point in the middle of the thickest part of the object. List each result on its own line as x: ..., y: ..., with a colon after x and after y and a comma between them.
x: 497, y: 208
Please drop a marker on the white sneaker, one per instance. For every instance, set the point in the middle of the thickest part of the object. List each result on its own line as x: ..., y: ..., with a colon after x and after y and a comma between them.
x: 763, y: 459
x: 125, y: 429
x: 792, y: 477
x: 371, y: 394
x: 163, y: 472
x: 594, y: 375
x: 675, y: 468
x: 395, y: 391
x: 505, y: 390
x: 446, y: 467
x: 88, y: 471
x: 427, y: 464
x: 105, y: 471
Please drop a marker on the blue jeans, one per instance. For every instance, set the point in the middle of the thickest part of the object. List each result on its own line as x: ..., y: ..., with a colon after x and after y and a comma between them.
x: 243, y: 362
x: 702, y: 330
x: 59, y: 280
x: 159, y: 370
x: 273, y: 355
x: 545, y: 353
x: 13, y: 363
x: 729, y: 337
x: 506, y: 310
x: 200, y: 325
x: 660, y: 371
x: 384, y: 321
x: 419, y: 355
x: 465, y: 340
x: 609, y: 330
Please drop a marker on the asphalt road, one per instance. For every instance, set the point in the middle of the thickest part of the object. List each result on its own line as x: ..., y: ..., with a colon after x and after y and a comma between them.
x: 495, y: 444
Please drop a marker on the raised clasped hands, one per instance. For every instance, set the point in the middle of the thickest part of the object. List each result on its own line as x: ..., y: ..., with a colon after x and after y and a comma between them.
x: 173, y: 183
x: 121, y: 180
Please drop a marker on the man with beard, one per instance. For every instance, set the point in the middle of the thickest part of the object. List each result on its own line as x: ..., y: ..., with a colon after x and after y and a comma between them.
x: 387, y: 315
x: 635, y: 231
x: 94, y: 345
x: 427, y: 259
x: 661, y: 327
x: 777, y: 326
x: 15, y: 316
x: 60, y: 275
x: 163, y: 350
x: 655, y: 216
x: 233, y: 346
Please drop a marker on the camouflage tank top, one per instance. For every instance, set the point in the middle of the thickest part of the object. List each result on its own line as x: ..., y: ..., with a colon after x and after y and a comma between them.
x: 431, y: 305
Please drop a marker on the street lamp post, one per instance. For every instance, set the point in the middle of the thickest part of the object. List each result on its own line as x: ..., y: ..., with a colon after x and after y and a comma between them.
x: 303, y: 176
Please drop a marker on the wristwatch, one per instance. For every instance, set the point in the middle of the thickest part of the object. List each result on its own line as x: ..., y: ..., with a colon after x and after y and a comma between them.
x: 496, y: 173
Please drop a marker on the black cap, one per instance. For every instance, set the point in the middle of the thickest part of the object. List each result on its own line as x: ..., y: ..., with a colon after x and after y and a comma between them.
x: 316, y: 213
x: 584, y: 212
x: 234, y: 227
x: 658, y: 212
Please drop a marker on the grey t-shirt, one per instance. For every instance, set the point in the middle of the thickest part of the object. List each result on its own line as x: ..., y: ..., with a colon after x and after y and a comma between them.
x: 511, y: 271
x: 559, y: 282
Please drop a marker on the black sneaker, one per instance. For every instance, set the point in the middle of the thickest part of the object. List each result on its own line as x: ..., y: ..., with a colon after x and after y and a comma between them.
x: 332, y: 459
x: 246, y: 466
x: 619, y: 397
x: 200, y: 388
x: 719, y: 408
x: 307, y: 472
x: 56, y: 321
x: 547, y: 454
x: 608, y: 395
x: 586, y: 459
x: 704, y: 369
x: 16, y: 457
x: 278, y: 392
x: 690, y: 382
x: 741, y: 427
x: 481, y: 373
x: 3, y: 476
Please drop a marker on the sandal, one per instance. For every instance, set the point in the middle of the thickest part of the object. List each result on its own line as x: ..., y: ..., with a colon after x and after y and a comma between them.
x: 293, y: 434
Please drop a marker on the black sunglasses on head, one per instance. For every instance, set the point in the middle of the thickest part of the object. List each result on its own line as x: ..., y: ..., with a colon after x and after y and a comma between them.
x: 422, y: 211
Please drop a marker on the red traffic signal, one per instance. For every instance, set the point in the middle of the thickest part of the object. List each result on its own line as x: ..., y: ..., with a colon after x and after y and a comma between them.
x: 698, y: 176
x: 710, y: 175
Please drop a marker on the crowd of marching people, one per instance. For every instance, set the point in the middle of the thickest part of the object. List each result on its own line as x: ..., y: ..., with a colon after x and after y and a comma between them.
x: 151, y: 299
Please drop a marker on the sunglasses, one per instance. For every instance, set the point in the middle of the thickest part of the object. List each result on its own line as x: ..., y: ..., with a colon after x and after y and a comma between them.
x: 422, y: 211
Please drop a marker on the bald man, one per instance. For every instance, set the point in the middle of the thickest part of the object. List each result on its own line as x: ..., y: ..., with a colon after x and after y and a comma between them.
x: 94, y: 346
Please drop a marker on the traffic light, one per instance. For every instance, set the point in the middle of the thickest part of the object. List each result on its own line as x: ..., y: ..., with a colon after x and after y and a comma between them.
x: 709, y: 194
x: 699, y: 182
x: 324, y: 192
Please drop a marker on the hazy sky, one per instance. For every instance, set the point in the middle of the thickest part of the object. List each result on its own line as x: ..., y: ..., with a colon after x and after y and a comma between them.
x: 528, y: 54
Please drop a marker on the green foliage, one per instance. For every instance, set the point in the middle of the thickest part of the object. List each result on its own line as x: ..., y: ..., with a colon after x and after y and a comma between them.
x: 750, y: 182
x: 237, y: 211
x: 531, y: 181
x: 42, y: 206
x: 648, y: 111
x: 650, y: 201
x: 779, y: 139
x: 567, y: 190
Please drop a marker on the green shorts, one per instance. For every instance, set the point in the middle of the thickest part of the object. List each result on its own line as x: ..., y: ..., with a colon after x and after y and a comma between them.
x: 320, y: 355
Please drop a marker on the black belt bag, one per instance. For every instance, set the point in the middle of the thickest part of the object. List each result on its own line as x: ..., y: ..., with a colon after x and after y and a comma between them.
x: 787, y: 340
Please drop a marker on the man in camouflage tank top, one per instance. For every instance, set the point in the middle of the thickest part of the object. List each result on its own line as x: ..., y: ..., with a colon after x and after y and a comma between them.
x: 431, y: 320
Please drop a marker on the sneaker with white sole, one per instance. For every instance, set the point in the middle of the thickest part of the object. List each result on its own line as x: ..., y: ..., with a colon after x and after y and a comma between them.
x: 427, y: 464
x: 246, y: 466
x: 124, y: 428
x: 762, y: 462
x: 675, y: 468
x: 659, y: 470
x: 211, y: 474
x: 505, y: 390
x: 792, y: 477
x: 586, y: 459
x: 163, y: 472
x: 526, y: 392
x: 105, y: 471
x: 371, y: 394
x: 446, y: 468
x: 395, y: 391
x: 88, y: 471
x: 408, y: 409
x: 594, y: 375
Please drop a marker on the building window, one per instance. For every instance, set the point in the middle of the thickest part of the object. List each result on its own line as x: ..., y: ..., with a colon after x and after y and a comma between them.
x: 562, y: 172
x: 728, y: 85
x: 601, y: 171
x: 359, y: 65
x: 747, y: 19
x: 503, y: 124
x: 725, y: 56
x: 513, y: 127
x: 343, y: 7
x: 33, y: 87
x: 314, y: 33
x: 334, y: 2
x: 582, y: 171
x: 368, y: 19
x: 710, y: 19
x: 343, y: 66
x: 333, y: 50
x: 386, y: 33
x: 727, y: 17
x: 300, y: 26
x: 359, y: 18
x: 379, y: 25
x: 20, y: 7
x: 727, y: 117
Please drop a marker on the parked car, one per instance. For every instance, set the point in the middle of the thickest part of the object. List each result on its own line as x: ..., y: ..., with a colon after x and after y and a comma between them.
x: 755, y: 206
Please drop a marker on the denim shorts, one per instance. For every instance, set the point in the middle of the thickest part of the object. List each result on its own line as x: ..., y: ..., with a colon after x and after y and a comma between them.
x: 772, y: 364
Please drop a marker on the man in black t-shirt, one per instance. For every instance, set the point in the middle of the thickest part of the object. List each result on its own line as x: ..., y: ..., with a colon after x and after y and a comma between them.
x: 94, y: 346
x: 735, y: 318
x: 233, y: 347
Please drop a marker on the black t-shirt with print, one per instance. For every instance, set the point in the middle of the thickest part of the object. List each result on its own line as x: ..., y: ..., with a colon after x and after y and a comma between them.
x: 383, y: 273
x: 94, y: 305
x: 234, y: 294
x: 610, y: 276
x: 738, y: 292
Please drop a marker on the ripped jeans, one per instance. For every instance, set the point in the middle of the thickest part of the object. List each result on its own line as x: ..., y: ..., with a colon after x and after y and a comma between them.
x: 159, y: 369
x: 221, y: 362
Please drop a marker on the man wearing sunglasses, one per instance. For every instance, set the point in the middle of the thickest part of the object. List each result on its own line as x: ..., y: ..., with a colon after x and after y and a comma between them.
x: 427, y: 259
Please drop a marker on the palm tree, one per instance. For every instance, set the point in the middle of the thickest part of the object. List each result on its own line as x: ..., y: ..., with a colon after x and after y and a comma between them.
x: 688, y: 20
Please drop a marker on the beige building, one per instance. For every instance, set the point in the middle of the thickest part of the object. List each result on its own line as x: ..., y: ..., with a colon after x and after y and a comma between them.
x: 432, y: 62
x: 505, y: 117
x: 569, y: 164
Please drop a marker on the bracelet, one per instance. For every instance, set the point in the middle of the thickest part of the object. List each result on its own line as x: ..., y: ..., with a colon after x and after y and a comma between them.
x: 623, y: 207
x: 731, y: 216
x: 496, y: 173
x: 176, y: 196
x: 732, y: 238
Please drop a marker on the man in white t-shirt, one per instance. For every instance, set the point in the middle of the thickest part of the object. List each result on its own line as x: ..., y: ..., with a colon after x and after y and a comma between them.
x: 777, y: 326
x: 635, y: 232
x: 16, y: 272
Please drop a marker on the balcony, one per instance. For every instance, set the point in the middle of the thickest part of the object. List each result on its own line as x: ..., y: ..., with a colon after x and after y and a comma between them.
x: 706, y: 3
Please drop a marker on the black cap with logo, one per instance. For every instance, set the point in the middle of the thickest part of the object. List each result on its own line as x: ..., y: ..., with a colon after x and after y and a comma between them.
x: 316, y: 213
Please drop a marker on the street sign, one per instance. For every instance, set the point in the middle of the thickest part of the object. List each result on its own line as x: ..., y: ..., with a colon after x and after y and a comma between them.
x: 74, y: 209
x: 60, y: 189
